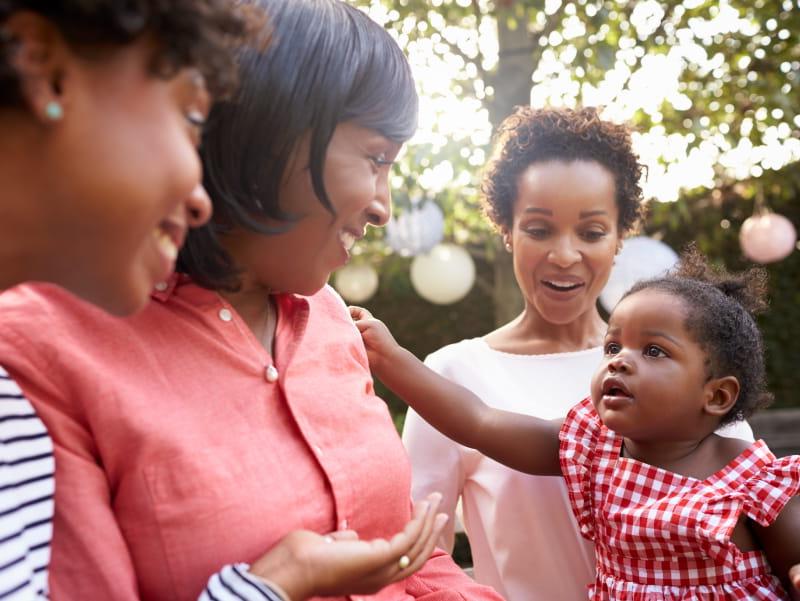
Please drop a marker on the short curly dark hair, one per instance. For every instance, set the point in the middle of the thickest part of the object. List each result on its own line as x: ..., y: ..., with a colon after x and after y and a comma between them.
x: 196, y: 33
x: 529, y: 136
x: 720, y: 315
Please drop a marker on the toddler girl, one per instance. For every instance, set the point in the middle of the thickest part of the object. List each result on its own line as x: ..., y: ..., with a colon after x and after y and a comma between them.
x: 675, y: 511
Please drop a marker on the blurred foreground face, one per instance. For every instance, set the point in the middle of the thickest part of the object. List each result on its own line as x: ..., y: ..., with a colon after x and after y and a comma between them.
x: 120, y: 178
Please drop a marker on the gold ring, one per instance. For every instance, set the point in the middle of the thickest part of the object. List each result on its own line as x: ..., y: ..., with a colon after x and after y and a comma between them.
x: 403, y: 562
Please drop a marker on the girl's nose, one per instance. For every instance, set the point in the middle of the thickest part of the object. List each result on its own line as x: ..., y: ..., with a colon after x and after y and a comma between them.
x: 619, y: 363
x: 198, y: 207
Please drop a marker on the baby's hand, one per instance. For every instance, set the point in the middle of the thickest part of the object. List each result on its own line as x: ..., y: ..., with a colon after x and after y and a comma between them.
x: 794, y: 576
x: 378, y: 340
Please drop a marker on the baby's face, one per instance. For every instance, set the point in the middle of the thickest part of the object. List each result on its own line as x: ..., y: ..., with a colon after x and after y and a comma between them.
x: 653, y: 381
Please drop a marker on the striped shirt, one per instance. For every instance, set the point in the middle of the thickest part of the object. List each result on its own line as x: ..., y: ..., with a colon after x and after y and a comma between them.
x: 26, y: 496
x: 26, y: 511
x: 235, y: 583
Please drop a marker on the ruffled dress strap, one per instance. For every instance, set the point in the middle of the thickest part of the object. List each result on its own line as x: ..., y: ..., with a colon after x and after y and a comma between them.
x: 584, y: 445
x: 763, y: 483
x: 755, y: 484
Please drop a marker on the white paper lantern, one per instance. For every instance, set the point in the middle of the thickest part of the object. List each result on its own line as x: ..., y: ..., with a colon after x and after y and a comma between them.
x: 767, y: 237
x: 416, y: 231
x: 444, y: 275
x: 640, y: 258
x: 356, y: 283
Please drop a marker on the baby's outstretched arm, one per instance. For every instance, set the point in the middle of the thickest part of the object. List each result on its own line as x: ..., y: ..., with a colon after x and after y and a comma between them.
x: 781, y: 544
x: 521, y: 442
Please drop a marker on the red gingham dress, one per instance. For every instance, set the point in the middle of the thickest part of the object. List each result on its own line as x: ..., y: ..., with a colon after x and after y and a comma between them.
x: 660, y: 536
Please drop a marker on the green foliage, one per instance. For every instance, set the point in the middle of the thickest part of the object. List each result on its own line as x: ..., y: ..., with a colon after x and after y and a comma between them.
x: 738, y: 79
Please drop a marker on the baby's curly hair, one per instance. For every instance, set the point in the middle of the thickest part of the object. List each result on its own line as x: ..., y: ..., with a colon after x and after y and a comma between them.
x: 720, y: 314
x: 196, y: 33
x: 529, y: 136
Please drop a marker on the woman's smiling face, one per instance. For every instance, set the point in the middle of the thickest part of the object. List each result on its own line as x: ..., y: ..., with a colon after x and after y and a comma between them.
x: 564, y: 237
x: 356, y: 179
x: 123, y: 176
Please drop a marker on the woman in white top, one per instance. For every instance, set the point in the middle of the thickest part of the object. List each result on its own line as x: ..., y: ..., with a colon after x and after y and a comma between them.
x: 550, y: 173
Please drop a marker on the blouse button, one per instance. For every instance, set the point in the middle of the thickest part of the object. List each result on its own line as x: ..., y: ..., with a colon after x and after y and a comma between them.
x: 161, y: 286
x: 225, y: 314
x: 271, y: 373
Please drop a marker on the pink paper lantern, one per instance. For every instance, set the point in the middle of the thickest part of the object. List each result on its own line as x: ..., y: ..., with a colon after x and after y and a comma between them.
x: 767, y: 238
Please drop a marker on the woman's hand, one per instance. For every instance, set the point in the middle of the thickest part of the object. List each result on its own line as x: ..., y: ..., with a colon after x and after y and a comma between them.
x: 305, y: 564
x: 378, y: 340
x: 794, y: 577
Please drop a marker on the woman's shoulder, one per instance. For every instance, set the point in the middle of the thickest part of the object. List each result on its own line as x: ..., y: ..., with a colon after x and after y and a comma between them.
x: 462, y: 352
x: 44, y: 308
x: 327, y: 304
x: 34, y: 298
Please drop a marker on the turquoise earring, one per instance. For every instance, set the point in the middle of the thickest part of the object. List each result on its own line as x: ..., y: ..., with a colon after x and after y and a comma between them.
x: 54, y: 111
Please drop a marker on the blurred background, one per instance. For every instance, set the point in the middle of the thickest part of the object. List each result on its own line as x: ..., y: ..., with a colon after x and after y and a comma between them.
x: 713, y: 91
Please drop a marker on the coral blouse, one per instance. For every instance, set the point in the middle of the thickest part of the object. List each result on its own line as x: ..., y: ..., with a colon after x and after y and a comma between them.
x: 182, y: 445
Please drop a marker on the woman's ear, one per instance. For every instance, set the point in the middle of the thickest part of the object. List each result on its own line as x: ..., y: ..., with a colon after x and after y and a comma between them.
x: 38, y: 56
x: 721, y: 395
x: 506, y: 239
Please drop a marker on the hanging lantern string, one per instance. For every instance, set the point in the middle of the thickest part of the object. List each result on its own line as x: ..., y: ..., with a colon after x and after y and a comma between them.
x: 760, y: 205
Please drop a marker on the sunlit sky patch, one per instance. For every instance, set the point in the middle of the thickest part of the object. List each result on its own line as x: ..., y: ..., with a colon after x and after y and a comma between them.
x: 674, y: 161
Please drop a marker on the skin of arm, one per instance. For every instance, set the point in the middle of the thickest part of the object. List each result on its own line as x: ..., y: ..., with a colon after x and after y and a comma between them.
x: 794, y: 576
x: 306, y: 564
x: 521, y: 442
x: 781, y: 544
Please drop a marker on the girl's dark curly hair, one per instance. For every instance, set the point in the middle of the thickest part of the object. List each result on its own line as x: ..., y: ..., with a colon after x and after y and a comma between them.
x: 529, y: 136
x: 195, y: 33
x: 720, y: 314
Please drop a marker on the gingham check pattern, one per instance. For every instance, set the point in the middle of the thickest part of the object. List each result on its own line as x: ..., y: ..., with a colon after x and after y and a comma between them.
x: 663, y: 536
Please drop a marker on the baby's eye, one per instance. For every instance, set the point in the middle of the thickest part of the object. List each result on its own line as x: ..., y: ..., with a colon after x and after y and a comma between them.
x: 612, y: 348
x: 654, y: 351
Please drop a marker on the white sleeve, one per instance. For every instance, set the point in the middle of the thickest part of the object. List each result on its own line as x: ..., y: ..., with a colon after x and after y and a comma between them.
x: 435, y: 467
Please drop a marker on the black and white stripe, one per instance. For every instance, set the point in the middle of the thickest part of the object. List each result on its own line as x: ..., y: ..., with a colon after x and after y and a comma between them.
x: 235, y: 583
x: 26, y: 496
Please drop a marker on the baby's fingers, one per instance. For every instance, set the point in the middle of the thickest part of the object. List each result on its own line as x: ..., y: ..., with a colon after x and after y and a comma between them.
x: 359, y: 313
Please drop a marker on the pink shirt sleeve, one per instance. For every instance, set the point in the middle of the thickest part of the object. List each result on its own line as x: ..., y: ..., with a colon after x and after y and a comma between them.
x: 84, y: 522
